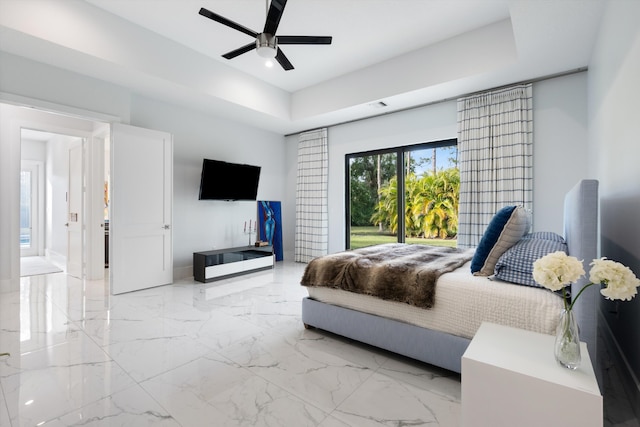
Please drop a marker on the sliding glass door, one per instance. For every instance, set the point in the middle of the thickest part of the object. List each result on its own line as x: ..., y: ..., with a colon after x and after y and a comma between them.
x: 432, y: 184
x: 406, y: 194
x: 371, y: 175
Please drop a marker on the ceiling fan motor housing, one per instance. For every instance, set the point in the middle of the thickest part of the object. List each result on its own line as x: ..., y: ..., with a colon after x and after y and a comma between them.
x: 266, y: 45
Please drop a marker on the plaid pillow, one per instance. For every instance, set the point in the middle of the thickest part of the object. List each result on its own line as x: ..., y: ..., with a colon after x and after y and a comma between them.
x: 516, y: 264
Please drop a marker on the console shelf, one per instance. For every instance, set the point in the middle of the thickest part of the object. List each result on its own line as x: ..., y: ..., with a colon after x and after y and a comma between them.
x: 219, y: 264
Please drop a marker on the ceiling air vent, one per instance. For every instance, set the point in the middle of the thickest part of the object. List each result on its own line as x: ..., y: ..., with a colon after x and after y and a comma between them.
x: 378, y: 104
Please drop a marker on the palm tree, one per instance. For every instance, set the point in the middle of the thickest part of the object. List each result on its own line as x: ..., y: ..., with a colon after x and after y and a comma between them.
x: 431, y: 205
x: 386, y: 213
x: 413, y: 195
x: 439, y: 203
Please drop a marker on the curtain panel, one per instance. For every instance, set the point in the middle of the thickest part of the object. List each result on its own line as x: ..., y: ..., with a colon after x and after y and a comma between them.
x: 495, y: 143
x: 312, y: 229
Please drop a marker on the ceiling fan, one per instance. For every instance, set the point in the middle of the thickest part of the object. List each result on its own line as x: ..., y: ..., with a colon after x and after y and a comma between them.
x: 266, y: 43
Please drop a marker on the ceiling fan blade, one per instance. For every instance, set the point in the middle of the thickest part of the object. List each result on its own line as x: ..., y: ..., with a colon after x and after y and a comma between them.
x: 224, y: 21
x: 304, y: 39
x: 283, y: 60
x: 244, y: 49
x: 273, y: 16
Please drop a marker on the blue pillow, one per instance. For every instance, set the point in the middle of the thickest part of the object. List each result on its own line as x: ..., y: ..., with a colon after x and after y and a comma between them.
x: 516, y: 264
x: 507, y: 226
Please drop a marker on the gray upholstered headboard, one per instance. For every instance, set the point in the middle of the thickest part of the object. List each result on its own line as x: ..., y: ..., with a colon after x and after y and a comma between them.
x: 581, y: 234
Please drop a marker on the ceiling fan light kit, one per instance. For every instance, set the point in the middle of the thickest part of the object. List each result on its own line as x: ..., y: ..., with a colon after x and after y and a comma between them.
x: 266, y: 43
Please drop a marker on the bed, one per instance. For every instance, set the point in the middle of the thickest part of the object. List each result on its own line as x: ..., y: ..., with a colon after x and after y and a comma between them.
x: 440, y: 334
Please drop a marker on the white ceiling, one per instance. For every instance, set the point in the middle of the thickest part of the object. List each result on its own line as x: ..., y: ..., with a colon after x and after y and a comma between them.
x: 364, y: 32
x: 403, y: 52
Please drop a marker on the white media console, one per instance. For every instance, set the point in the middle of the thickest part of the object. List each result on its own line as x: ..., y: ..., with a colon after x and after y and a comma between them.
x: 219, y: 264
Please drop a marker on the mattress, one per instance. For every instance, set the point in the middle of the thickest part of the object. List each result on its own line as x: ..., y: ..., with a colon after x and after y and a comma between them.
x: 462, y: 303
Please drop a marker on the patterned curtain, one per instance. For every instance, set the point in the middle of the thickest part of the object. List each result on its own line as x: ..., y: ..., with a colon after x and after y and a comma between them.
x: 312, y: 232
x: 495, y: 144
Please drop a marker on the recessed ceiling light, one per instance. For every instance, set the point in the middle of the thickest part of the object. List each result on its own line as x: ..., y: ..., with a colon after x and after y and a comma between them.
x: 268, y: 63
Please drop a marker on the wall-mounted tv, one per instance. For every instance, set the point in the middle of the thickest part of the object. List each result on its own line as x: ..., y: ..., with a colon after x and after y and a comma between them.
x: 228, y: 181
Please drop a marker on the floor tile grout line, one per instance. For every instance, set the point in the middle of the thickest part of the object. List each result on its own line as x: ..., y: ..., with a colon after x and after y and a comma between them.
x: 134, y: 383
x: 4, y: 401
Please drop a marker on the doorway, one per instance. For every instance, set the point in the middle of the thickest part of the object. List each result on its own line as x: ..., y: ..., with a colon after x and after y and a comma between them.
x: 58, y: 183
x: 97, y: 135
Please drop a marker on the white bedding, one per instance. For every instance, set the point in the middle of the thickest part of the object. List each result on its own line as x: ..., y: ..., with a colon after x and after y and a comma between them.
x: 462, y: 303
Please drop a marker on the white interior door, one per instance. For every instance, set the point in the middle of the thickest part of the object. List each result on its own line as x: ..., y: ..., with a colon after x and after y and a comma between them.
x: 95, y: 202
x: 75, y: 210
x: 140, y: 250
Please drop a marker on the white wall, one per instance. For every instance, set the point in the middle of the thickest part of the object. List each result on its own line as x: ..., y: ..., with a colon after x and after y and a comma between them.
x: 33, y: 150
x: 23, y: 77
x: 614, y: 139
x: 560, y: 146
x: 560, y: 139
x: 207, y: 224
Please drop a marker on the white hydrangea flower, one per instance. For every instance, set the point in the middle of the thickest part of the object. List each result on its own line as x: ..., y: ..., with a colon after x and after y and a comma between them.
x: 556, y: 270
x: 620, y: 281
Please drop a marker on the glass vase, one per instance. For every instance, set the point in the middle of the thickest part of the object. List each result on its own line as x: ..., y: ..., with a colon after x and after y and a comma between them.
x: 567, y: 346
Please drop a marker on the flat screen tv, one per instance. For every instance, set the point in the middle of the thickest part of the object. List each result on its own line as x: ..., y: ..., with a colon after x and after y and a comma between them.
x: 228, y: 181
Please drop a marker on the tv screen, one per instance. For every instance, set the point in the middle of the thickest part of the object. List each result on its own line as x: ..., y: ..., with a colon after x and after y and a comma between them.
x: 228, y: 181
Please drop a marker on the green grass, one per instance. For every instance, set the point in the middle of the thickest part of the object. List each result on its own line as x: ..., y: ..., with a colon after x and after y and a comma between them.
x: 369, y: 236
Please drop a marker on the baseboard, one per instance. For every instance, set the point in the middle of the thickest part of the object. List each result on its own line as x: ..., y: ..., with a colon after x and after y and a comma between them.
x: 629, y: 381
x: 181, y: 273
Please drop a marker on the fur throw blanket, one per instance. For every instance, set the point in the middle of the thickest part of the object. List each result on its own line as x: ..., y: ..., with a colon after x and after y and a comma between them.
x: 395, y: 271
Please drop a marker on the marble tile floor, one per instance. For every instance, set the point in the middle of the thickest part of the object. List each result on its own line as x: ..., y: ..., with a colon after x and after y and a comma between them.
x: 228, y: 353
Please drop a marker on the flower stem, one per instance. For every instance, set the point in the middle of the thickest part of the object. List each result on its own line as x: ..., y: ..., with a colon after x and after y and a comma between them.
x: 573, y: 300
x: 564, y: 299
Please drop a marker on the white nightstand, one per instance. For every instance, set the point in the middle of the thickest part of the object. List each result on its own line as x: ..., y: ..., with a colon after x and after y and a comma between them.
x: 511, y: 378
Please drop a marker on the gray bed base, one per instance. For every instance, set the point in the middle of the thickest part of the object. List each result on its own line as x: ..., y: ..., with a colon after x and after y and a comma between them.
x: 427, y: 345
x: 446, y: 350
